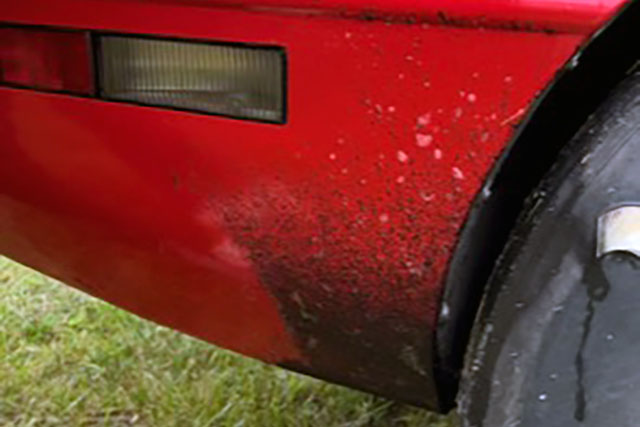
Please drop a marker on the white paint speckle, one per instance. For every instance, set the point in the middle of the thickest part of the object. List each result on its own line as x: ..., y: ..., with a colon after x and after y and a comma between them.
x: 424, y: 120
x: 437, y: 154
x: 457, y: 173
x: 458, y: 112
x: 344, y: 171
x: 402, y: 156
x: 384, y: 218
x: 401, y: 76
x: 348, y: 35
x: 391, y: 109
x: 423, y: 141
x: 333, y: 156
x: 341, y: 141
x: 426, y: 84
x: 513, y: 118
x: 427, y: 197
x: 472, y: 98
x: 409, y: 58
x: 508, y: 79
x: 542, y: 397
x: 400, y: 179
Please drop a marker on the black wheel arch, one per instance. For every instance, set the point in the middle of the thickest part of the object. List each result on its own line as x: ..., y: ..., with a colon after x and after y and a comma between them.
x: 556, y: 116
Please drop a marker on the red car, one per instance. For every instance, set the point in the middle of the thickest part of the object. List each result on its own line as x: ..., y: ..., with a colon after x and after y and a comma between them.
x: 423, y: 199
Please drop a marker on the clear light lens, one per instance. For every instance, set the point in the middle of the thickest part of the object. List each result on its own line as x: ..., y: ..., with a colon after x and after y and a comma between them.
x: 238, y: 81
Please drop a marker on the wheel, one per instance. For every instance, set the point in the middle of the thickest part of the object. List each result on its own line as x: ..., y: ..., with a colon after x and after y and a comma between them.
x: 557, y: 339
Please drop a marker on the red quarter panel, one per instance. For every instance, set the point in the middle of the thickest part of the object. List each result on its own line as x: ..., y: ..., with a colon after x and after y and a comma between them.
x: 319, y: 245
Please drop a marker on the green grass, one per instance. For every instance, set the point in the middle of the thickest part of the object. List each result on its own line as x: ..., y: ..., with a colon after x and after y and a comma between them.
x: 68, y: 359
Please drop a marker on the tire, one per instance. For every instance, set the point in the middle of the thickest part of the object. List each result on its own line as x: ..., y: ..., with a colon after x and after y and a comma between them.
x: 557, y: 338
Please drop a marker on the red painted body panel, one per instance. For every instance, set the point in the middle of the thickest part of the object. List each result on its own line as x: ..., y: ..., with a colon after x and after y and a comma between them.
x: 321, y: 244
x: 578, y: 16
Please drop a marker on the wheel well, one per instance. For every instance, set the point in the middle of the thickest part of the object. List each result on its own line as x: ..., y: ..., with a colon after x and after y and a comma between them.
x: 579, y: 88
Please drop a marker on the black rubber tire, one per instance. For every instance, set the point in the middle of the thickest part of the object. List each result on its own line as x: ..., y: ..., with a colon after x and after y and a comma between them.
x: 557, y: 338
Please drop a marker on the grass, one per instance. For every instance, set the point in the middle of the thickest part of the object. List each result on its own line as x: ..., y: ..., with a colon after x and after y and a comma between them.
x: 68, y: 359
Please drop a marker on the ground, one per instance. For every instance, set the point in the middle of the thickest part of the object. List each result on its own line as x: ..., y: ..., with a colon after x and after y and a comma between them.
x: 67, y: 359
